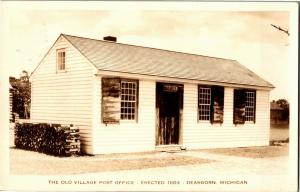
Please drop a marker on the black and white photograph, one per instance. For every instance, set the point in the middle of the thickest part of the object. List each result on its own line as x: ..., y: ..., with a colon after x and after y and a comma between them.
x: 149, y: 96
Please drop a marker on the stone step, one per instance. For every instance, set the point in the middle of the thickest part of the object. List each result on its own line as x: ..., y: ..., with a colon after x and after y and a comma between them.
x: 169, y: 148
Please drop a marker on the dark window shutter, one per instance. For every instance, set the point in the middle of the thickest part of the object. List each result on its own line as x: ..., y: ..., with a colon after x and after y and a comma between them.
x: 217, y: 104
x: 239, y: 105
x: 111, y: 100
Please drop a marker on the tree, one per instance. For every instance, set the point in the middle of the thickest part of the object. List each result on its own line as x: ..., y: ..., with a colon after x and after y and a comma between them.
x: 21, y: 92
x: 283, y: 103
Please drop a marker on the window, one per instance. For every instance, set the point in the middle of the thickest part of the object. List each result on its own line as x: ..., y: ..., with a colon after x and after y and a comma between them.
x: 61, y: 59
x: 244, y: 106
x: 250, y: 106
x: 204, y: 103
x: 210, y: 103
x: 128, y: 99
x: 119, y: 99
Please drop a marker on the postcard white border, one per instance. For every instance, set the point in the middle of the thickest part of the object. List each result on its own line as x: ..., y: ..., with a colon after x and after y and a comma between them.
x: 23, y: 182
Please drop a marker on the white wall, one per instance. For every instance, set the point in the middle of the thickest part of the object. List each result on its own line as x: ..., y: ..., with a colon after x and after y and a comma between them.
x: 127, y: 136
x: 64, y: 97
x: 205, y: 135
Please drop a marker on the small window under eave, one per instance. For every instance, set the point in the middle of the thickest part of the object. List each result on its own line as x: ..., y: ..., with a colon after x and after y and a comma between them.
x: 60, y: 59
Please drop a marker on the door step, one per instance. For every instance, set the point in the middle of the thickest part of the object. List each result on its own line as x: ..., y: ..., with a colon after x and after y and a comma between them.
x: 169, y: 148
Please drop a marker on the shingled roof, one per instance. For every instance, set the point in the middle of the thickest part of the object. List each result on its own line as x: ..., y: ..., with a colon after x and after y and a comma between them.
x: 118, y: 57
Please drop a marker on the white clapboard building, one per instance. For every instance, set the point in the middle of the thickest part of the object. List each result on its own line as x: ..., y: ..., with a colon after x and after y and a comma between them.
x: 127, y: 98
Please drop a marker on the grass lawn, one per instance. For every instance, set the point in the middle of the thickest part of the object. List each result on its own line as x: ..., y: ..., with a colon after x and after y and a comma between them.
x: 253, y: 152
x: 279, y: 132
x: 29, y: 162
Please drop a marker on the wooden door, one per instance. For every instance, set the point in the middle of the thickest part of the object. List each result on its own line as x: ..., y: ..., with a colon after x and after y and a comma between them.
x: 168, y: 100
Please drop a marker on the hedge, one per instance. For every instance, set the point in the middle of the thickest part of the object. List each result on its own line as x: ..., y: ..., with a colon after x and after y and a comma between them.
x: 51, y: 139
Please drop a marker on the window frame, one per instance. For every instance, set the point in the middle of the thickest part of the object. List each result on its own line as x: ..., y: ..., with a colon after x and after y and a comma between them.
x: 204, y: 104
x: 253, y: 106
x: 135, y: 106
x: 59, y: 60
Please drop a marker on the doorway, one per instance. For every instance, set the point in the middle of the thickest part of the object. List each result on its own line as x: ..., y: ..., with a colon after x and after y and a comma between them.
x: 169, y: 102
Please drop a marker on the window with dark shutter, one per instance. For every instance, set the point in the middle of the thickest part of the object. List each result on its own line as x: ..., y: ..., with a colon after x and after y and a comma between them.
x: 119, y: 100
x: 111, y: 99
x: 210, y: 103
x: 244, y: 106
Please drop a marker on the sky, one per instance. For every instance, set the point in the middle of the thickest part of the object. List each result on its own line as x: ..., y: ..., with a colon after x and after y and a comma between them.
x: 245, y: 36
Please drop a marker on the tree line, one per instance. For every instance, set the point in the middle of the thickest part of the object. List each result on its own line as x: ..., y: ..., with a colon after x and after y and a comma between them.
x: 21, y: 94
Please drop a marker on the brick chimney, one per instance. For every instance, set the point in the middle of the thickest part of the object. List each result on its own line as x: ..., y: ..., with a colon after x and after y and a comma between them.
x: 110, y: 38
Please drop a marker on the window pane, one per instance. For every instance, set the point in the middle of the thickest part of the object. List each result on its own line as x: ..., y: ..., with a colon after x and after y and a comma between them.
x: 128, y: 99
x: 204, y: 103
x: 250, y: 105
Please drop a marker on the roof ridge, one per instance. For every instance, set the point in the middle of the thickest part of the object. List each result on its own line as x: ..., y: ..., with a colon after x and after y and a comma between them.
x: 147, y: 47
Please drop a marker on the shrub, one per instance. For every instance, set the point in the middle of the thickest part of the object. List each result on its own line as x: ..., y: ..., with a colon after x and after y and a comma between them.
x: 51, y: 139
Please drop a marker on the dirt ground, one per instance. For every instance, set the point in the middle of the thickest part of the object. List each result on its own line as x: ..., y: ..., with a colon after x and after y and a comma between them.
x: 29, y: 162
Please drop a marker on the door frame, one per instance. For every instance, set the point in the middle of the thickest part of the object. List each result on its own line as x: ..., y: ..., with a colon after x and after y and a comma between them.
x: 173, y: 87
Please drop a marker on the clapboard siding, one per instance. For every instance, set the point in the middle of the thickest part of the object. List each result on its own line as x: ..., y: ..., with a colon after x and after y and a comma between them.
x: 206, y: 135
x: 65, y: 97
x: 127, y: 136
